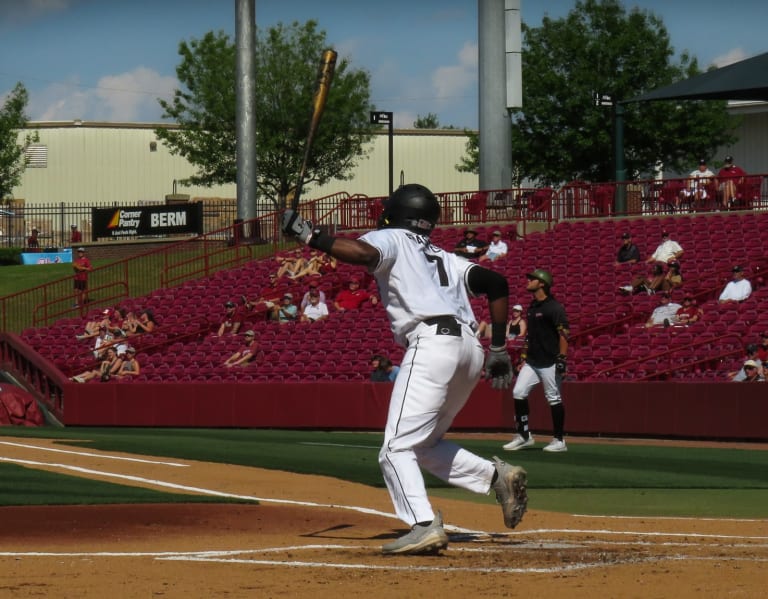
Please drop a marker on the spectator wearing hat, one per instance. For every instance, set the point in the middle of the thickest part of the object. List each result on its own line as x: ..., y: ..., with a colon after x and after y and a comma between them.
x: 82, y: 266
x: 130, y: 366
x: 470, y: 246
x: 244, y: 354
x: 689, y: 313
x: 314, y: 285
x: 517, y: 327
x: 752, y: 372
x: 230, y: 321
x: 75, y: 236
x: 728, y: 177
x: 496, y: 249
x: 628, y: 251
x: 673, y: 277
x: 752, y: 359
x: 664, y: 314
x: 286, y: 311
x: 698, y: 181
x: 738, y: 289
x: 353, y: 297
x: 316, y: 309
x: 667, y: 251
x: 654, y: 281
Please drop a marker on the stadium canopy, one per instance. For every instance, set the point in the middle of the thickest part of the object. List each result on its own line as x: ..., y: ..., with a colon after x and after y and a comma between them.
x: 743, y: 80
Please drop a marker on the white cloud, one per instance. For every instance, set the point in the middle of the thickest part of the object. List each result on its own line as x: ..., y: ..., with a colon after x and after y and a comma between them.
x: 457, y: 79
x: 126, y: 97
x: 18, y: 11
x: 729, y: 57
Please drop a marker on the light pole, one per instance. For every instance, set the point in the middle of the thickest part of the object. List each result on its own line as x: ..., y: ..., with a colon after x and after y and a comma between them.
x: 380, y: 117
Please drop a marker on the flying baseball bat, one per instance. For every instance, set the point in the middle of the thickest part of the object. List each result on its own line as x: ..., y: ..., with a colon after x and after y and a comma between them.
x: 324, y: 78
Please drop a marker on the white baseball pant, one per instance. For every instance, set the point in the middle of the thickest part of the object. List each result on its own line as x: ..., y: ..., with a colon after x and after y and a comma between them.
x: 437, y: 375
x: 529, y: 376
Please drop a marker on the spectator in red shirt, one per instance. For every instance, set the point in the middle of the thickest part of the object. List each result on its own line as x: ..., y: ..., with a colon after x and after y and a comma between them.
x: 689, y: 312
x: 76, y: 236
x: 354, y: 297
x: 33, y: 244
x: 728, y: 177
x: 762, y: 349
x: 81, y: 266
x: 230, y: 321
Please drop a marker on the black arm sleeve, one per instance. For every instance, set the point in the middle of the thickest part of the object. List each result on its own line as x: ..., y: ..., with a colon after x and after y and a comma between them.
x: 482, y: 281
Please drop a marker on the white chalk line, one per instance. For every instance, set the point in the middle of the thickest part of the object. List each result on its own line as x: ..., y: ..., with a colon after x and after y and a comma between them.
x: 94, y: 455
x: 608, y: 517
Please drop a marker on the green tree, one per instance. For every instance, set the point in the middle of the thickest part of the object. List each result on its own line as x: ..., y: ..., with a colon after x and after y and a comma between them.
x: 430, y: 121
x: 12, y: 158
x: 599, y: 47
x: 287, y: 59
x: 471, y: 162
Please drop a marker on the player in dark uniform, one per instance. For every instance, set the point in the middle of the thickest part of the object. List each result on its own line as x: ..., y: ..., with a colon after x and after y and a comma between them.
x: 544, y: 354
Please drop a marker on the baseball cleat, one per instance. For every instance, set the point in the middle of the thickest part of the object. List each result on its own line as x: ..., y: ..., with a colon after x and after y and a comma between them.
x: 519, y: 442
x: 421, y: 539
x: 556, y: 445
x: 511, y: 493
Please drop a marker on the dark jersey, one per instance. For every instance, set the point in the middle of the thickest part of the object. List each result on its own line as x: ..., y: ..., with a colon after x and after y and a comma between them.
x: 628, y: 252
x: 546, y: 319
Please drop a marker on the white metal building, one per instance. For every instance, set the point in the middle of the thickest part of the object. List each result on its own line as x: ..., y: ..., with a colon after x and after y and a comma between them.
x: 125, y: 163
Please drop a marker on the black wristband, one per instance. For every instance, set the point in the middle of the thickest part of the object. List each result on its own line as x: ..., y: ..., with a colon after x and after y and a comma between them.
x: 321, y: 241
x: 498, y: 334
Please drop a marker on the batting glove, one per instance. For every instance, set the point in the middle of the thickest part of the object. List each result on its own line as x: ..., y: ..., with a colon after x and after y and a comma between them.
x: 561, y: 364
x: 498, y: 367
x: 294, y: 225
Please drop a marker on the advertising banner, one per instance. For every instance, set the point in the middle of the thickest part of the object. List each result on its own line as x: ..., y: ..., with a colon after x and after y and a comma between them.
x: 143, y: 221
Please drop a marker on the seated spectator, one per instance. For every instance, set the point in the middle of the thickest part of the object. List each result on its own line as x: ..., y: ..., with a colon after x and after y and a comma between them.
x: 353, y: 297
x: 290, y: 264
x: 271, y: 295
x: 664, y: 314
x: 313, y: 285
x: 689, y: 313
x: 383, y: 369
x: 628, y: 252
x: 318, y: 264
x: 696, y: 191
x: 231, y: 320
x: 654, y: 281
x: 751, y: 356
x: 667, y: 251
x: 109, y: 367
x: 246, y: 353
x: 470, y: 246
x: 738, y: 289
x: 762, y: 349
x: 92, y: 326
x: 672, y: 279
x: 752, y: 372
x: 33, y: 243
x: 286, y: 311
x: 130, y: 323
x: 316, y: 309
x: 146, y: 322
x: 130, y: 366
x: 516, y: 326
x: 728, y: 177
x: 496, y: 249
x: 103, y: 339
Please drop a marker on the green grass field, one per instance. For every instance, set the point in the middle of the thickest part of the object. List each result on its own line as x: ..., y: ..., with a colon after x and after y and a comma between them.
x: 636, y: 480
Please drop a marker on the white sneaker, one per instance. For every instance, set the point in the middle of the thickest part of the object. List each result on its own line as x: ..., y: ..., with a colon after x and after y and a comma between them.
x: 556, y: 445
x: 518, y: 443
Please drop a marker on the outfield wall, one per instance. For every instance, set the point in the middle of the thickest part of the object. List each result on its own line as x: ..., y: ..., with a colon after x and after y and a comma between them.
x: 661, y: 409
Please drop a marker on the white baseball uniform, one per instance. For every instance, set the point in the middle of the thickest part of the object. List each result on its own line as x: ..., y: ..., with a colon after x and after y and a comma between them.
x: 424, y: 290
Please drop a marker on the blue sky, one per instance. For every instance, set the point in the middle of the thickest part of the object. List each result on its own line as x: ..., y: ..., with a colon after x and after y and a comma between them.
x: 109, y: 60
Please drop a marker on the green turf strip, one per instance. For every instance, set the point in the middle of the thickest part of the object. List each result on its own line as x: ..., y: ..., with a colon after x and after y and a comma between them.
x: 26, y: 486
x: 590, y: 478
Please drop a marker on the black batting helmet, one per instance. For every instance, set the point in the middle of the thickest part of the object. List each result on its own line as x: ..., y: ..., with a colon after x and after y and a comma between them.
x: 411, y: 207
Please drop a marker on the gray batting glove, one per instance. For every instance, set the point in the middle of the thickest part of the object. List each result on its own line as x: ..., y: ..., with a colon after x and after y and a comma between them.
x: 498, y: 367
x: 294, y: 225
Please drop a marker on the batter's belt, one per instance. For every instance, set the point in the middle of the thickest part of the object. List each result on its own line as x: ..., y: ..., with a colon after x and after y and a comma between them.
x: 446, y: 325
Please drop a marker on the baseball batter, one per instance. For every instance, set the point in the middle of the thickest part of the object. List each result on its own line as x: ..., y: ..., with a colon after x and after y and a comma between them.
x: 544, y: 358
x: 426, y: 291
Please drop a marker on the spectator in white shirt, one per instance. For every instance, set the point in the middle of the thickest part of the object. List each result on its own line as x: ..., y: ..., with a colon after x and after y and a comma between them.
x: 667, y: 251
x: 496, y: 249
x: 316, y: 309
x: 664, y: 314
x: 736, y: 290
